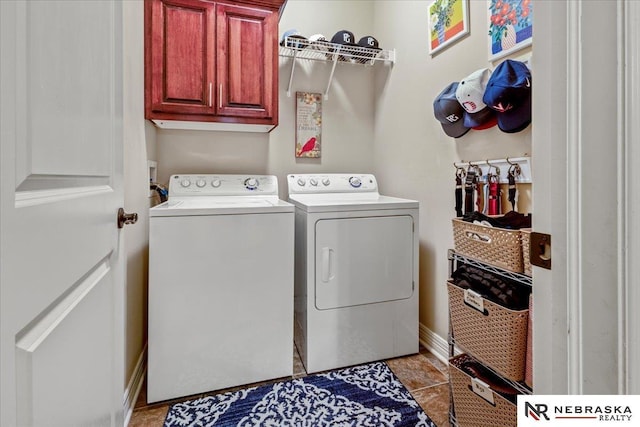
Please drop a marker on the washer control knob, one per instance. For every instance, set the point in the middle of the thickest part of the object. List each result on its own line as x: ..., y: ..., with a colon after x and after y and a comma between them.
x: 185, y: 183
x: 251, y: 183
x: 313, y: 182
x: 326, y: 182
x: 301, y: 182
x: 201, y: 183
x: 216, y: 183
x: 355, y: 182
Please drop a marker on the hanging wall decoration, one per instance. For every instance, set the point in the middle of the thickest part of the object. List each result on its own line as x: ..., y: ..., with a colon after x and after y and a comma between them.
x: 448, y: 23
x: 308, y: 124
x: 510, y: 27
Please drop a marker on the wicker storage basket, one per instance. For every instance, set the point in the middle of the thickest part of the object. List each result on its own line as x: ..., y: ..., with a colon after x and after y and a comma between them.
x: 472, y: 410
x: 528, y: 368
x: 525, y: 233
x: 497, y: 246
x: 497, y: 337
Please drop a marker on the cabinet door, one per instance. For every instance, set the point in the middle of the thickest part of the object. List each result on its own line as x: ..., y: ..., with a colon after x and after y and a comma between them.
x: 247, y: 61
x: 180, y: 67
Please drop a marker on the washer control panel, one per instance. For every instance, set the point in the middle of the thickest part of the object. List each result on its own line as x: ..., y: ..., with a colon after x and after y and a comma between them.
x: 222, y: 185
x: 331, y: 183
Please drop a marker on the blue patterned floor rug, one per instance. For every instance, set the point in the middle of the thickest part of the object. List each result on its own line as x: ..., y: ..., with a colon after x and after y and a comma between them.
x: 365, y: 395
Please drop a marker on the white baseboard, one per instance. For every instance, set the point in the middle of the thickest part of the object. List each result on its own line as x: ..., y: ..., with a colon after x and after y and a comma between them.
x: 437, y: 345
x: 134, y: 386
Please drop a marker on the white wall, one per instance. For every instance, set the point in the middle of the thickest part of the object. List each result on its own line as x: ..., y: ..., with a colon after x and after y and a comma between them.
x: 347, y: 121
x: 413, y: 157
x: 347, y: 133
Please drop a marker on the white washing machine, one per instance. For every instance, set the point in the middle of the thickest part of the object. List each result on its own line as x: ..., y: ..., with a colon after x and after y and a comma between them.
x: 356, y: 275
x: 220, y: 285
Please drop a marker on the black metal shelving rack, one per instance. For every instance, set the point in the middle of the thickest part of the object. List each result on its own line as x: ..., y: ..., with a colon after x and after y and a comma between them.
x: 455, y: 259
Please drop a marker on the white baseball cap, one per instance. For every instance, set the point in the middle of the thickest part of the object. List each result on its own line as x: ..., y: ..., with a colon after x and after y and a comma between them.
x: 469, y: 94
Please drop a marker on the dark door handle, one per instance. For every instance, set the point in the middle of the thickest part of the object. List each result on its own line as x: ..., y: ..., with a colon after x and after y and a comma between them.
x: 126, y: 218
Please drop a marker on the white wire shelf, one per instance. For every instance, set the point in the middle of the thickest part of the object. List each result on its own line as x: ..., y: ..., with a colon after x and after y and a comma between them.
x: 521, y: 386
x: 453, y: 256
x: 326, y: 51
x: 297, y: 48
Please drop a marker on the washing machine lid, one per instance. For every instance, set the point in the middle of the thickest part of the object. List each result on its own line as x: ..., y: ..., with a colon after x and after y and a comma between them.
x: 208, y: 194
x: 220, y: 206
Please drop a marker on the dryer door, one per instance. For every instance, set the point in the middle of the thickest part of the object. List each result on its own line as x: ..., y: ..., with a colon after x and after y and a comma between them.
x: 363, y: 260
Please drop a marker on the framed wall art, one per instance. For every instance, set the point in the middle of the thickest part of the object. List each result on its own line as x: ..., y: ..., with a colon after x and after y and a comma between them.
x: 308, y: 124
x: 448, y: 23
x: 510, y: 27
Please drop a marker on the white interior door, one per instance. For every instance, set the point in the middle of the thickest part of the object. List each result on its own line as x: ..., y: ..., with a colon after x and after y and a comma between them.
x: 61, y: 271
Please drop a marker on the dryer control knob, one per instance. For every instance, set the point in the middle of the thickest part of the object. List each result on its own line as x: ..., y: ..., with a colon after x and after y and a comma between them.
x: 216, y: 183
x: 326, y: 182
x: 301, y: 182
x: 251, y: 183
x: 201, y: 183
x: 185, y: 183
x: 313, y: 182
x: 355, y: 182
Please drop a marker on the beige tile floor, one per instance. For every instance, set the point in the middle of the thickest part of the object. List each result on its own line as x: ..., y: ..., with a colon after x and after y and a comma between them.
x: 423, y: 374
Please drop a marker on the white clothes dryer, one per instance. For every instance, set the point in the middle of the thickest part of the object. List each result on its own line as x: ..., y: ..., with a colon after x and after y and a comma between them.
x: 220, y: 285
x: 356, y: 271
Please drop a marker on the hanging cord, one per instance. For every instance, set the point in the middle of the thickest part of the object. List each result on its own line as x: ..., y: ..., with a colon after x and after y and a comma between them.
x: 494, y: 195
x: 161, y: 190
x: 479, y: 189
x: 469, y: 189
x: 514, y: 170
x: 493, y: 182
x: 460, y: 174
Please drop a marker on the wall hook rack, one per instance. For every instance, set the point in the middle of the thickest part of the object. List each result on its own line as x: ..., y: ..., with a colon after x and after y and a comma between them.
x: 503, y: 167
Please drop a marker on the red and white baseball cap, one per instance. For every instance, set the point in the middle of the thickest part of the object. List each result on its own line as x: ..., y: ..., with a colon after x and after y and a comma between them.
x: 469, y: 94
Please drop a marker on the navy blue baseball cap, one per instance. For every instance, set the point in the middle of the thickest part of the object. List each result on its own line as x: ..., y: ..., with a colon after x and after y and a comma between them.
x: 508, y: 92
x: 345, y: 37
x: 369, y: 42
x: 449, y: 112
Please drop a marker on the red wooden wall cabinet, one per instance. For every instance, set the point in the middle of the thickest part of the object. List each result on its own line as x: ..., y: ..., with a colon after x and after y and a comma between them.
x: 213, y: 63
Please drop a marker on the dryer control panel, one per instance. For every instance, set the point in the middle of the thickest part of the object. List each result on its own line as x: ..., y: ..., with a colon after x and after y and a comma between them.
x: 332, y: 183
x: 222, y: 185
